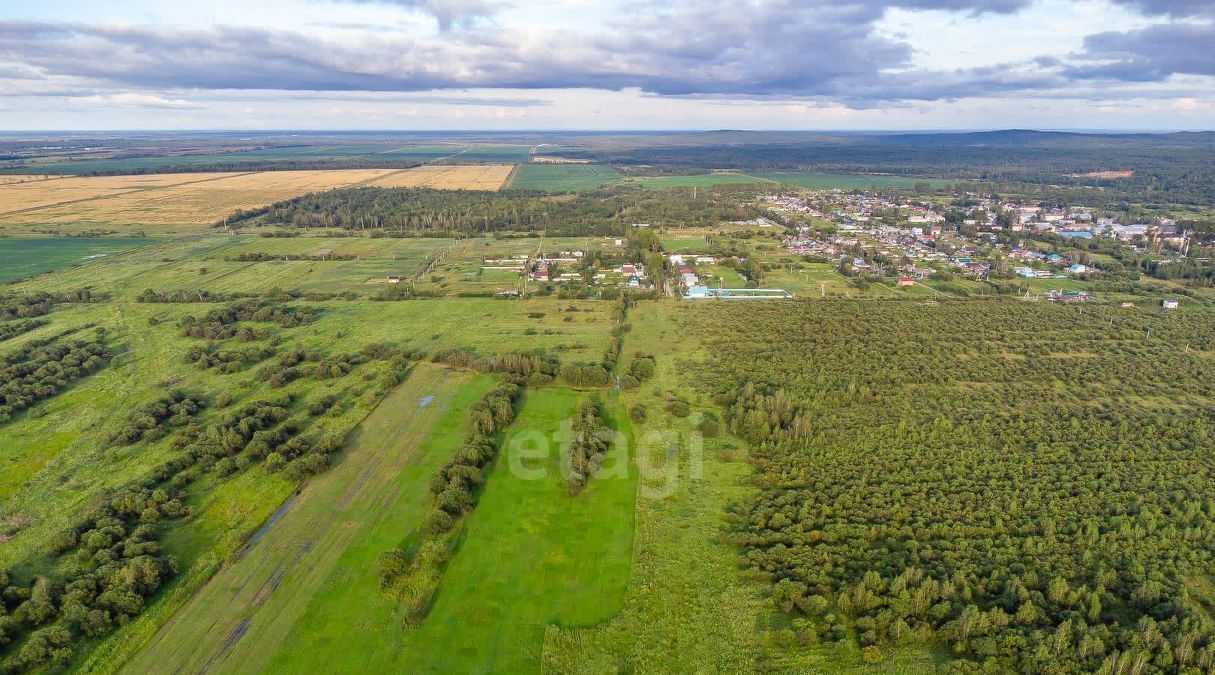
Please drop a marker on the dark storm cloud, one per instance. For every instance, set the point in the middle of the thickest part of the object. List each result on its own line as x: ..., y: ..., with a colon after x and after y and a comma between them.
x: 1149, y: 54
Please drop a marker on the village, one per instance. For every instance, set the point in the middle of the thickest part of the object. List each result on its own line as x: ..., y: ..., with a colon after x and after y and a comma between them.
x: 846, y: 240
x: 878, y: 237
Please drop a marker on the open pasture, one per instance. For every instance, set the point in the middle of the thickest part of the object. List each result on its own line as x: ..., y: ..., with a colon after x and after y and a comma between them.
x: 449, y: 177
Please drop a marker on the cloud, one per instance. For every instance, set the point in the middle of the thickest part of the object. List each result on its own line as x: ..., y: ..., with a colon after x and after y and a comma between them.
x: 448, y: 13
x: 768, y: 46
x: 814, y: 51
x: 1176, y: 8
x: 137, y: 100
x: 1150, y: 54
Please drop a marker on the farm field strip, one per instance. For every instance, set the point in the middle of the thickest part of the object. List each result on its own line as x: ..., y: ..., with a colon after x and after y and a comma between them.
x: 28, y: 196
x: 449, y: 177
x: 193, y: 198
x: 531, y: 555
x: 242, y: 616
x: 562, y: 177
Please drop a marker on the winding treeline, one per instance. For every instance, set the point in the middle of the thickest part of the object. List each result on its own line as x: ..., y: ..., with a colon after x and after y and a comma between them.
x: 1029, y: 483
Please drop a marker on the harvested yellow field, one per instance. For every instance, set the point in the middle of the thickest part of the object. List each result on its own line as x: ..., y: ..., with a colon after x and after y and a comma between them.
x: 21, y: 178
x: 23, y: 196
x: 451, y: 177
x: 164, y: 199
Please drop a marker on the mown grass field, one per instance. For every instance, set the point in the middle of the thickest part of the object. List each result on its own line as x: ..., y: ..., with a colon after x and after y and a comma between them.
x: 25, y: 257
x: 530, y: 555
x: 297, y: 581
x: 563, y: 177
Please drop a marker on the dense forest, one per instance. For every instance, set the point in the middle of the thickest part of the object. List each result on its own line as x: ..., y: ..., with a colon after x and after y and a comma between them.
x: 609, y: 211
x: 1168, y: 167
x: 1028, y: 483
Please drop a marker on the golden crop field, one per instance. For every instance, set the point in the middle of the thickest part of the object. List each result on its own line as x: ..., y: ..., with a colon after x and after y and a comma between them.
x: 449, y: 177
x: 23, y: 196
x: 161, y: 199
x: 203, y: 198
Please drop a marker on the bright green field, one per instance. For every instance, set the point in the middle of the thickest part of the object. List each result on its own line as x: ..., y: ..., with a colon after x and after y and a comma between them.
x: 27, y: 257
x: 563, y: 177
x: 704, y: 180
x: 677, y: 245
x: 530, y: 556
x: 832, y: 181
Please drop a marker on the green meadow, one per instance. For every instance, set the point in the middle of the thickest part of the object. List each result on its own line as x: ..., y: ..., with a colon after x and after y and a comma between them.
x: 530, y: 555
x: 25, y: 257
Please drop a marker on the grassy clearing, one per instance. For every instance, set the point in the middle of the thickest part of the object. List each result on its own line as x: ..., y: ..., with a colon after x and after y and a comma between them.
x: 530, y: 555
x: 26, y: 257
x: 326, y: 537
x: 680, y: 245
x: 563, y: 177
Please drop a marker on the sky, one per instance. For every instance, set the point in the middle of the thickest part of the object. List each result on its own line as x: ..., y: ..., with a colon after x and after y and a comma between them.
x: 597, y: 64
